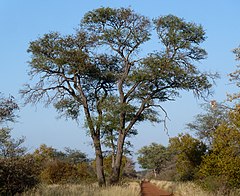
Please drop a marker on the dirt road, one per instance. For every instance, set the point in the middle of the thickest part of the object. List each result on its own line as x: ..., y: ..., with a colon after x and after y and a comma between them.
x: 149, y: 189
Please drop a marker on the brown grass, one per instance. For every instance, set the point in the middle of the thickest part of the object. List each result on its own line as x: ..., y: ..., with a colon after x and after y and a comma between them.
x: 130, y: 189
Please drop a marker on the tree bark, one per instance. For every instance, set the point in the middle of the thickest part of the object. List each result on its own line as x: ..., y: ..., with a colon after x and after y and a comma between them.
x: 115, y: 177
x: 99, y: 162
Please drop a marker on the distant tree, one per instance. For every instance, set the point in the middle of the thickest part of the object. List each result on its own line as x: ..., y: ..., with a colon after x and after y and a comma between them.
x: 45, y: 153
x: 102, y: 62
x: 204, y: 125
x: 189, y: 153
x: 75, y: 156
x: 153, y: 157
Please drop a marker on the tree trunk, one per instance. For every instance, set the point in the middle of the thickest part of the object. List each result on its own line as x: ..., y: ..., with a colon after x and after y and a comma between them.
x: 99, y: 162
x: 114, y: 179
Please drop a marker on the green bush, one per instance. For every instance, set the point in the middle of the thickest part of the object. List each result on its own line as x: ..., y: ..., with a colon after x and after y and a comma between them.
x: 17, y: 175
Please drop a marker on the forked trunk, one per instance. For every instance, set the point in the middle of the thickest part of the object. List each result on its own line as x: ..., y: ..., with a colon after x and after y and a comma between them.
x: 99, y: 162
x: 115, y: 177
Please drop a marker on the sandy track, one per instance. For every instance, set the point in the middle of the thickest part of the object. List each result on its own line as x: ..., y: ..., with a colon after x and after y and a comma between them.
x: 149, y: 189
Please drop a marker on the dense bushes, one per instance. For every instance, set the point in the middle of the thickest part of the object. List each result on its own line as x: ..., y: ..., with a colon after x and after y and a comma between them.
x: 58, y: 167
x: 61, y: 172
x: 46, y: 165
x: 17, y: 174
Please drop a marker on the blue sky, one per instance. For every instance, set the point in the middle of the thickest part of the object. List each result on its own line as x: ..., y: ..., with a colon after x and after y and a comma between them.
x: 26, y: 20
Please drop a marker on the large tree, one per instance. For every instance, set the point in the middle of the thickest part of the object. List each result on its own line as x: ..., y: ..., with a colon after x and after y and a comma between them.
x: 102, y: 63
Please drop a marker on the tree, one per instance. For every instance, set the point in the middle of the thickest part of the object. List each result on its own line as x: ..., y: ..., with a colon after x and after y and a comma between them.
x: 189, y: 152
x: 206, y: 124
x: 45, y: 153
x: 102, y: 62
x: 9, y: 147
x: 153, y: 157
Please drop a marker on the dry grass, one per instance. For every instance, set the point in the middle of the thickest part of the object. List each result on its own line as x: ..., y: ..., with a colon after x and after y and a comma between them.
x: 188, y: 188
x: 130, y: 189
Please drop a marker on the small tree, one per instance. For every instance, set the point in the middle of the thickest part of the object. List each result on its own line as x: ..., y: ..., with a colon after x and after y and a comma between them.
x: 153, y: 157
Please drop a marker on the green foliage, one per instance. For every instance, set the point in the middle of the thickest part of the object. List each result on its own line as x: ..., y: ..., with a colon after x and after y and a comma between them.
x: 122, y: 28
x: 175, y: 33
x: 224, y: 160
x: 17, y: 175
x: 153, y: 157
x: 189, y: 152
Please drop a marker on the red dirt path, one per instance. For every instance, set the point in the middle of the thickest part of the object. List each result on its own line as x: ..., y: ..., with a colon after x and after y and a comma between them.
x: 149, y: 189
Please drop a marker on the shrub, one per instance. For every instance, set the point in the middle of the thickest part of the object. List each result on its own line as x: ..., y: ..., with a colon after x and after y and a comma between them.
x: 61, y: 172
x: 17, y: 175
x: 58, y: 172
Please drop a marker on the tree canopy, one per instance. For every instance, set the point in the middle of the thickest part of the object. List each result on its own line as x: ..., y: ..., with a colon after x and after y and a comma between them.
x: 153, y: 157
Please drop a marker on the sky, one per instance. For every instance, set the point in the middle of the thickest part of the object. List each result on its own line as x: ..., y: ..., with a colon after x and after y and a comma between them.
x: 24, y: 21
